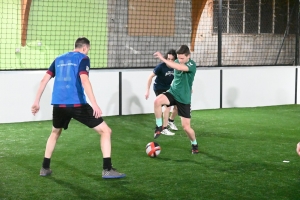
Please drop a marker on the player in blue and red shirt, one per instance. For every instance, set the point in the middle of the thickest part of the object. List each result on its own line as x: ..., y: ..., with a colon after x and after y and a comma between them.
x: 71, y: 71
x: 164, y: 77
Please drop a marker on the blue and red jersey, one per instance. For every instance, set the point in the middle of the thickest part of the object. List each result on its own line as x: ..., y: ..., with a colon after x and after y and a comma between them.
x: 67, y: 89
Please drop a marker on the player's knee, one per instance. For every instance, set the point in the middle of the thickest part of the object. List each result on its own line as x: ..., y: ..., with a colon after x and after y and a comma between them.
x: 109, y: 131
x: 54, y: 135
x: 106, y: 131
x: 186, y: 127
x: 157, y: 102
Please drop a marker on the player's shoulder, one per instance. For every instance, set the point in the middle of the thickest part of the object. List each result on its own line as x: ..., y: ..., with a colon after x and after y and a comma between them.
x: 161, y: 65
x: 62, y: 55
x: 191, y: 63
x: 78, y: 54
x: 85, y: 57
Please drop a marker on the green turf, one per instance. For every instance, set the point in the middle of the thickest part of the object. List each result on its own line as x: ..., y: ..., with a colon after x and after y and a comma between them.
x: 242, y: 154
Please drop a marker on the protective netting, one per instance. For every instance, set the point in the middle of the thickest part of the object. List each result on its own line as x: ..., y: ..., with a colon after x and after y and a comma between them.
x: 254, y: 31
x: 126, y: 33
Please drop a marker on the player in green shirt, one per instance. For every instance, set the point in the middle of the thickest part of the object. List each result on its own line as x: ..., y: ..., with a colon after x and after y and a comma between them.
x: 179, y: 93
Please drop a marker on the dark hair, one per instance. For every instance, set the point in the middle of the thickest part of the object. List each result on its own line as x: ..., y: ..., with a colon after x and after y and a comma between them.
x: 172, y: 52
x: 183, y: 49
x: 81, y: 41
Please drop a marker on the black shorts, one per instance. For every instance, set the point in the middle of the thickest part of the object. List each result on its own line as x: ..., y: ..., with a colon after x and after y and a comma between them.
x: 184, y: 110
x: 83, y: 114
x: 158, y: 92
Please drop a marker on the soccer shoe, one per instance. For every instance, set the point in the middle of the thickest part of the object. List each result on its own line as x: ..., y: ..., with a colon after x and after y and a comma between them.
x: 45, y: 172
x: 195, y: 149
x: 113, y: 173
x: 157, y: 132
x: 167, y: 132
x: 172, y: 126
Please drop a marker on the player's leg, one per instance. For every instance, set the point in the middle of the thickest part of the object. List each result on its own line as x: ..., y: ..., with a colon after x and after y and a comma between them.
x: 105, y: 145
x: 166, y: 111
x: 166, y: 114
x: 60, y: 120
x: 105, y: 141
x: 159, y: 101
x: 51, y: 142
x: 298, y: 148
x: 171, y: 123
x: 84, y: 115
x: 186, y: 125
x: 184, y: 111
x: 50, y: 145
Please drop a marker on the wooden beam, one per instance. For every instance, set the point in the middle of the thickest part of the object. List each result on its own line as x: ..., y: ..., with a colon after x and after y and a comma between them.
x: 24, y: 19
x: 197, y: 9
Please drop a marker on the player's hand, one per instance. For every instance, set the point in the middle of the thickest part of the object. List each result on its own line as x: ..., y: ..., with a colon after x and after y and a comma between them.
x: 298, y: 148
x: 147, y: 95
x: 158, y: 55
x: 97, y: 111
x: 35, y: 108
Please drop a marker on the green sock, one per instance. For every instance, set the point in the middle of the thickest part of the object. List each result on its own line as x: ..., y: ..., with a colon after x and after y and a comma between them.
x: 158, y: 122
x: 194, y: 142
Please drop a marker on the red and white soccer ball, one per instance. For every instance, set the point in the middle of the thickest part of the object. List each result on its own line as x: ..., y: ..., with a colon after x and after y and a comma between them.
x: 153, y: 149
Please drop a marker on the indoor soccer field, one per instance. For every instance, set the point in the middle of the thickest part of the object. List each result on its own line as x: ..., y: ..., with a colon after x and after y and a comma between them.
x: 247, y: 54
x: 245, y: 153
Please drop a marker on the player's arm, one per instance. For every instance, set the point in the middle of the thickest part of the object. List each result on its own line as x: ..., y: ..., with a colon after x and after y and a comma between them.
x: 174, y: 65
x: 84, y: 67
x: 89, y: 92
x: 149, y: 84
x: 36, y: 104
x: 88, y: 88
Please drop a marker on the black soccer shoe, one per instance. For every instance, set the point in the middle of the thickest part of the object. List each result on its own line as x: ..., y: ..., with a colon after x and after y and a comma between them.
x: 195, y: 149
x: 157, y: 132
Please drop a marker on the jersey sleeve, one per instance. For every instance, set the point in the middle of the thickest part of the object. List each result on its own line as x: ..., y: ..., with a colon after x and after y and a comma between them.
x: 191, y: 65
x: 84, y: 66
x: 51, y: 69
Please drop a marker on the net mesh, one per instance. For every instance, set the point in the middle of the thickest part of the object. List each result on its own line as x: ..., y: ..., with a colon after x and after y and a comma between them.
x: 125, y: 34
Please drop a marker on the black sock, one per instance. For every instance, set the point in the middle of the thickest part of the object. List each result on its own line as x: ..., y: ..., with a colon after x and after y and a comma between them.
x: 171, y: 120
x: 107, y: 163
x: 165, y: 128
x: 46, y: 163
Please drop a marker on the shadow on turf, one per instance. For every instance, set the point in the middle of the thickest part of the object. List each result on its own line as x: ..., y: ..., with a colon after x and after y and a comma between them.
x: 214, y: 157
x: 80, y: 192
x: 83, y: 193
x: 114, y: 184
x: 117, y: 187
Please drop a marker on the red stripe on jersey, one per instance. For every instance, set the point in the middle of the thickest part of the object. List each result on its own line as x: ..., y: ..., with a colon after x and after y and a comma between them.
x: 50, y: 73
x: 83, y: 72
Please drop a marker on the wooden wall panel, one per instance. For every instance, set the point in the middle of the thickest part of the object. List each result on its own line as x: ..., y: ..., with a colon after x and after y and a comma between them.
x: 151, y: 17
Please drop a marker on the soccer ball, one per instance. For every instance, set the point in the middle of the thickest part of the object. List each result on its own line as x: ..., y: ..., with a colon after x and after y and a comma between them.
x: 153, y: 149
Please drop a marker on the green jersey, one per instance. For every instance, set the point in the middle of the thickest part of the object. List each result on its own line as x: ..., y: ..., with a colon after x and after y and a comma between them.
x: 181, y: 86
